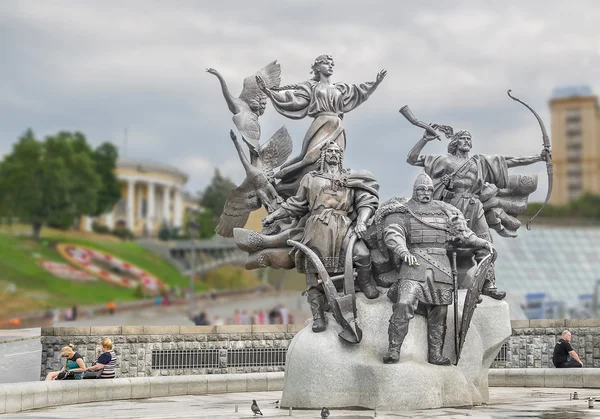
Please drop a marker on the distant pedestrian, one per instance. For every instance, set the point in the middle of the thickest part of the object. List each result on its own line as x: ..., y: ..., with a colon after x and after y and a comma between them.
x: 260, y: 317
x: 68, y: 314
x: 111, y: 307
x: 245, y: 318
x: 201, y: 319
x: 273, y: 316
x: 283, y: 312
x: 564, y: 355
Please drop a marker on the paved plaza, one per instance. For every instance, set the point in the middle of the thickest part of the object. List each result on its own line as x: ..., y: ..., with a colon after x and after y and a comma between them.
x: 504, y: 403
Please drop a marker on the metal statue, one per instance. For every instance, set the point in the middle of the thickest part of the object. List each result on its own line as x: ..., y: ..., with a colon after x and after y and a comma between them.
x: 479, y: 186
x: 333, y: 203
x: 326, y: 102
x: 546, y: 155
x: 257, y: 188
x: 419, y: 233
x: 251, y: 103
x: 472, y: 298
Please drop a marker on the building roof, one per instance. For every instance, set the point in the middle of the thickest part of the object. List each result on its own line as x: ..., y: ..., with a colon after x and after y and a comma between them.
x: 562, y: 262
x: 146, y: 166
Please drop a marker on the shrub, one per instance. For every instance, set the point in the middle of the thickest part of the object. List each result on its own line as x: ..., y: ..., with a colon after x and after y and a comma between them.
x: 164, y: 233
x: 100, y: 228
x: 123, y: 233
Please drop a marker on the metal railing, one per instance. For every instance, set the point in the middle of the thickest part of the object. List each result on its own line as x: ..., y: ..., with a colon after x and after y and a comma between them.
x: 171, y: 359
x: 179, y: 359
x: 501, y: 358
x: 256, y: 357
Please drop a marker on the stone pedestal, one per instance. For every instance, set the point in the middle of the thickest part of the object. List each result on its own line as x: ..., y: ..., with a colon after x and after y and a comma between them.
x: 323, y: 370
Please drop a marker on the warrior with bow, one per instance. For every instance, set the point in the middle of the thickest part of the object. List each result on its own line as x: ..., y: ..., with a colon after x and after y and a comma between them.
x: 475, y: 184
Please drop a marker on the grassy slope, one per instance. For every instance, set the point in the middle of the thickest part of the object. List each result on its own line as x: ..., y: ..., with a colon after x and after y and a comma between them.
x: 37, y: 288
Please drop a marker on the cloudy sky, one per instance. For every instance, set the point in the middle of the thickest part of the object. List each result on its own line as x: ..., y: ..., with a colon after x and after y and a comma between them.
x: 102, y: 66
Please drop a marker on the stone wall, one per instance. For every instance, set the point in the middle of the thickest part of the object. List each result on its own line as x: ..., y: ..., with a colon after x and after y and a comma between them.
x: 135, y: 345
x: 532, y: 342
x: 530, y: 345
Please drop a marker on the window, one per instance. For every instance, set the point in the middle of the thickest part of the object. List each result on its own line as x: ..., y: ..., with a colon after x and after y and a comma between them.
x: 574, y: 153
x: 574, y: 138
x: 144, y: 207
x: 574, y: 169
x: 573, y: 114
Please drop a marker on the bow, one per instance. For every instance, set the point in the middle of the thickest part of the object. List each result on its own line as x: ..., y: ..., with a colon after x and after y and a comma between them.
x: 546, y: 154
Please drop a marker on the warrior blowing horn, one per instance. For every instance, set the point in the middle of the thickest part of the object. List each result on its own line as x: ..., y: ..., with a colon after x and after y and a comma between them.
x: 407, y: 113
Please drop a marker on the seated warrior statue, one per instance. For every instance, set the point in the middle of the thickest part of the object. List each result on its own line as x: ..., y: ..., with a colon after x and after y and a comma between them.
x: 419, y: 233
x: 333, y: 201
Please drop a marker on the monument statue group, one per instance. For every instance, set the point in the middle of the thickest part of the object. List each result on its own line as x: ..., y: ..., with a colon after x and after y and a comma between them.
x: 426, y: 252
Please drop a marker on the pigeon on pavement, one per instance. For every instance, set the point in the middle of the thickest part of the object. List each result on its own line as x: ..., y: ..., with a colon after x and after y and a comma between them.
x: 255, y: 408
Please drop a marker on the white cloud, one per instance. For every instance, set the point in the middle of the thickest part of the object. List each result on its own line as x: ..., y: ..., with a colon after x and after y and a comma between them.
x: 102, y: 66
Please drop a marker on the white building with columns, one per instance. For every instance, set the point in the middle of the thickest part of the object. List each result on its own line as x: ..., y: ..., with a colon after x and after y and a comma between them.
x: 152, y: 194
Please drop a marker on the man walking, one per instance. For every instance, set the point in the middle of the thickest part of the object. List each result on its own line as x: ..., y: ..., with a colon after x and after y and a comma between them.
x: 564, y: 355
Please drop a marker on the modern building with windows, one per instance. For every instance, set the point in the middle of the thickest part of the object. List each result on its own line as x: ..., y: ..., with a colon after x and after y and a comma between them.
x: 575, y: 134
x: 551, y: 271
x: 152, y: 194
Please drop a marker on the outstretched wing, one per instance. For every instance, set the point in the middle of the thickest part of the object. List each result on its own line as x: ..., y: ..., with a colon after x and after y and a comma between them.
x: 271, y: 74
x: 240, y: 203
x: 446, y: 129
x: 276, y: 150
x: 246, y: 120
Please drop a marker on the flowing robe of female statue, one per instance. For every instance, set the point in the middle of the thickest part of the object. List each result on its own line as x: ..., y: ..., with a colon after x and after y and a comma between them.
x: 324, y: 101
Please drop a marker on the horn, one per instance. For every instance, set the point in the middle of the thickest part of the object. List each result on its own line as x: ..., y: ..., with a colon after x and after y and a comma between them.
x: 407, y: 113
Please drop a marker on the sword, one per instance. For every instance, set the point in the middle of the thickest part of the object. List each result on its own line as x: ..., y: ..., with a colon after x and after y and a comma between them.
x: 456, y: 331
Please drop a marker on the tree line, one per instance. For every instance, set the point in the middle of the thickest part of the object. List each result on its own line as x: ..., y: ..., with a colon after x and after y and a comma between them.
x: 58, y: 180
x: 585, y: 206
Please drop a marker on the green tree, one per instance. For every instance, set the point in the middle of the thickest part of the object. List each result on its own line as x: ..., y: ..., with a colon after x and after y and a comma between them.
x: 586, y: 206
x: 83, y: 183
x: 55, y: 181
x: 105, y: 158
x: 205, y: 220
x: 215, y: 195
x: 32, y: 185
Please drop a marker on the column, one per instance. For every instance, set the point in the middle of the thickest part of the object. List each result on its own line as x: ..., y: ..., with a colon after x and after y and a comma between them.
x: 130, y: 203
x: 87, y: 223
x: 167, y: 205
x: 178, y: 208
x: 109, y: 219
x: 150, y: 210
x: 139, y: 202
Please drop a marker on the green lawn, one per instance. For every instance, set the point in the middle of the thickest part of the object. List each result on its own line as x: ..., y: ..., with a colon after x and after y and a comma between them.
x: 38, y: 289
